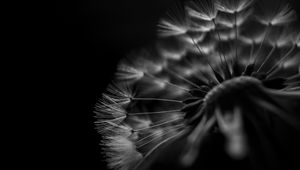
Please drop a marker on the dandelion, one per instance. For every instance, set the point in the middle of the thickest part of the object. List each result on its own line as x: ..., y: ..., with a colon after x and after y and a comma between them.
x: 175, y: 22
x: 221, y: 86
x: 204, y: 10
x: 126, y: 72
x: 279, y: 16
x: 233, y: 6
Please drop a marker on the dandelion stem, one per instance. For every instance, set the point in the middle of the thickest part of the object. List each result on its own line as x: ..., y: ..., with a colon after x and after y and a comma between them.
x: 112, y: 120
x: 236, y: 33
x: 149, y: 113
x: 285, y: 93
x: 281, y: 60
x: 158, y: 124
x: 251, y: 55
x: 149, y: 141
x: 111, y: 106
x: 109, y: 127
x: 148, y: 136
x: 195, y: 44
x: 160, y: 132
x: 251, y: 52
x: 219, y: 37
x: 292, y: 77
x: 261, y: 43
x: 267, y: 58
x: 157, y: 99
x: 226, y: 63
x: 292, y: 88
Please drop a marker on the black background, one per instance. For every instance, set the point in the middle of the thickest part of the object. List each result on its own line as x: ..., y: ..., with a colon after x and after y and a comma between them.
x: 85, y: 39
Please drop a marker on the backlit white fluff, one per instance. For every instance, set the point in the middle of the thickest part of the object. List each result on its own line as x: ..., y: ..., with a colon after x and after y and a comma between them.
x: 217, y: 67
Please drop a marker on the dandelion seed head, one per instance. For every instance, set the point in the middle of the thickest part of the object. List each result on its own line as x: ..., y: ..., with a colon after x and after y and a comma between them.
x: 277, y: 14
x: 227, y: 68
x: 126, y: 72
x: 121, y: 153
x: 232, y: 6
x: 203, y: 27
x: 204, y: 9
x: 175, y: 23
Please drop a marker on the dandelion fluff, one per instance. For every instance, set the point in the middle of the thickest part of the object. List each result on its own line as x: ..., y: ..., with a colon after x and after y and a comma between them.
x: 221, y: 84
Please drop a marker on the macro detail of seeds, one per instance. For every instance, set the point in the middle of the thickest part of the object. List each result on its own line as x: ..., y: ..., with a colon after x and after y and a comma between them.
x: 220, y: 87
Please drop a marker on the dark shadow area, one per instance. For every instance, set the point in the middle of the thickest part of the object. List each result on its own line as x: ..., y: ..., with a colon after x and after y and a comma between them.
x: 86, y: 41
